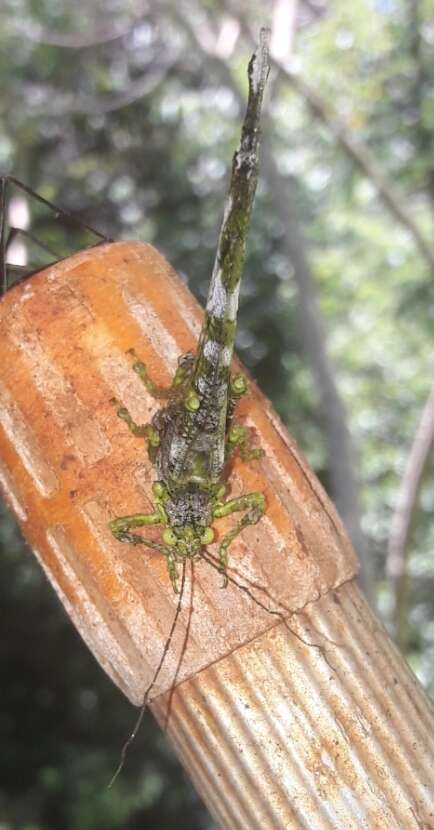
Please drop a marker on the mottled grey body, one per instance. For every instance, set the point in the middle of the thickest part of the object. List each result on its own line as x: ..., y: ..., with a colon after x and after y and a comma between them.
x: 192, y: 436
x: 202, y: 432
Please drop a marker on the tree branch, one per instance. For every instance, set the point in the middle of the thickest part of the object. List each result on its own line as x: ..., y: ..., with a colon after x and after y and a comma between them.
x: 344, y: 487
x: 357, y: 151
x: 405, y: 512
x: 420, y: 86
x: 360, y: 154
x: 100, y: 34
x: 58, y: 102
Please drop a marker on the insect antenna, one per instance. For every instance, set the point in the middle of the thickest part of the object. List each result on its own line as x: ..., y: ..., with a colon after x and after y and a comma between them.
x: 183, y: 649
x: 284, y: 619
x: 61, y: 215
x: 13, y: 232
x: 21, y: 271
x: 145, y: 700
x: 66, y: 214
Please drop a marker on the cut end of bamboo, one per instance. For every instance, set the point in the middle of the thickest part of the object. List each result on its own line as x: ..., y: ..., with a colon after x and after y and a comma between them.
x: 69, y: 465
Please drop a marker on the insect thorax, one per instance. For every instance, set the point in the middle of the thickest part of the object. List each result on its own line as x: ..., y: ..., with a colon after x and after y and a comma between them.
x: 192, y: 443
x: 189, y: 505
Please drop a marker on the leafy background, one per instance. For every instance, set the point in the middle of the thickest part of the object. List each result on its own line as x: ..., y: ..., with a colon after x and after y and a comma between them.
x: 127, y: 113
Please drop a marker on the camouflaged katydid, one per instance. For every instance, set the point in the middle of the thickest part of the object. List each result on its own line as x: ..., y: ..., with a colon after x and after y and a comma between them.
x: 192, y: 436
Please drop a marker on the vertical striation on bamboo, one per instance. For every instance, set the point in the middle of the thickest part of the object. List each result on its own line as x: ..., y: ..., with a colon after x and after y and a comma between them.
x: 317, y: 724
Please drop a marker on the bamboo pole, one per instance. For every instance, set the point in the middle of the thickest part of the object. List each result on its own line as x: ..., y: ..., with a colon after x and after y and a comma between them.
x: 292, y: 707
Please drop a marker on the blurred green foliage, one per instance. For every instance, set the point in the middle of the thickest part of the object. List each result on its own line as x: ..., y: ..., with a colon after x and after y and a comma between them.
x: 135, y: 133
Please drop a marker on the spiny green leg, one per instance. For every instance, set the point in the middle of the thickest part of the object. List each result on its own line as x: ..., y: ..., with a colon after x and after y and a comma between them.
x: 120, y: 527
x: 254, y: 503
x: 240, y: 437
x: 140, y: 430
x: 158, y: 392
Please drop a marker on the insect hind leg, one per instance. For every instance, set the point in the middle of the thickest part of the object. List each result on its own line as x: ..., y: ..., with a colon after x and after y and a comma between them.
x: 139, y: 430
x: 158, y: 392
x: 240, y: 437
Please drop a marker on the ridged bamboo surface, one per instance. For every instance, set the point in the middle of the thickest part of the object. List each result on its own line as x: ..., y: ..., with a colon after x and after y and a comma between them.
x: 318, y: 724
x: 292, y: 708
x: 69, y: 465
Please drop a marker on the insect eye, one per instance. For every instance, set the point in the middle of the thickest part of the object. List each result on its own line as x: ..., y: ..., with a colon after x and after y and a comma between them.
x: 169, y: 537
x: 207, y: 536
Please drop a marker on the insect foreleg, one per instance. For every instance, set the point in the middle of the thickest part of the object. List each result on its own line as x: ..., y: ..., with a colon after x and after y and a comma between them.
x: 254, y: 503
x: 120, y: 527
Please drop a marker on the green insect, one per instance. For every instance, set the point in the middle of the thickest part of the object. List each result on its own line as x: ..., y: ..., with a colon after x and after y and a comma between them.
x: 191, y: 438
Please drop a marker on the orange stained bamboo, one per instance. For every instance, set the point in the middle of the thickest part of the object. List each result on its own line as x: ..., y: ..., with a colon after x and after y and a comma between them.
x: 293, y: 710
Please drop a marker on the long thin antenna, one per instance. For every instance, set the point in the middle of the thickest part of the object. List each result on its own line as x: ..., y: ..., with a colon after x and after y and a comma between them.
x: 183, y: 648
x: 216, y: 565
x: 13, y: 233
x: 144, y: 705
x: 5, y: 241
x: 57, y: 210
